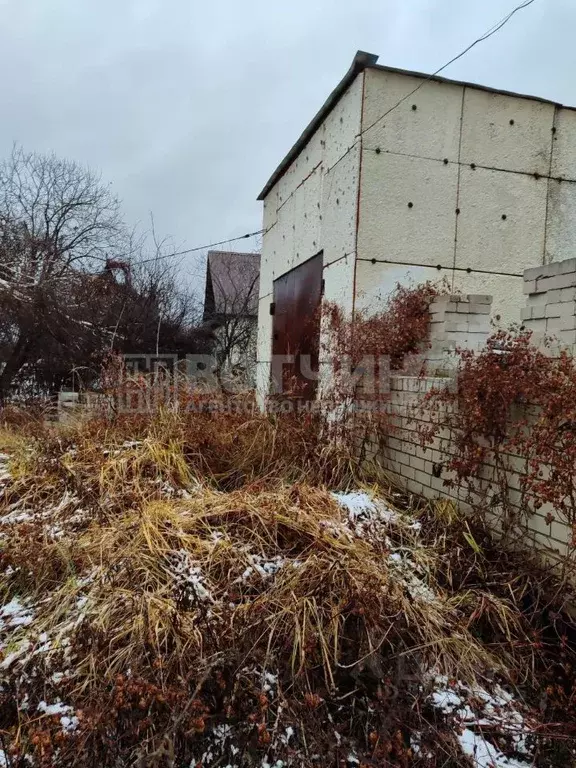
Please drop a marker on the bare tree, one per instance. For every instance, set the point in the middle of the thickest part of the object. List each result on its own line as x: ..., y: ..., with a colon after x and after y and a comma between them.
x: 57, y: 221
x: 74, y: 283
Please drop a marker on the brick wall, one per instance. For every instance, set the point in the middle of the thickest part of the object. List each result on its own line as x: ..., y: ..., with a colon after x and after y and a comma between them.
x: 551, y: 308
x: 456, y: 321
x: 551, y: 303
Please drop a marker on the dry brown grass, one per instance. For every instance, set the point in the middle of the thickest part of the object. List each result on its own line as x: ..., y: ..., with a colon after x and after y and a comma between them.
x: 184, y: 579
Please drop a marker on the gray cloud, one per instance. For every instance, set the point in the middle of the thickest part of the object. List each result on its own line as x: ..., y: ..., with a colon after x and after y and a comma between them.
x: 187, y: 107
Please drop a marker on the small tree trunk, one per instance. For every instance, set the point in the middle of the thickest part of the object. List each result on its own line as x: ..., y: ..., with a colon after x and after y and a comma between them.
x: 13, y: 365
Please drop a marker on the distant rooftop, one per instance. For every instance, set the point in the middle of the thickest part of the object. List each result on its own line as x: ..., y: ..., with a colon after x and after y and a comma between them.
x: 232, y: 284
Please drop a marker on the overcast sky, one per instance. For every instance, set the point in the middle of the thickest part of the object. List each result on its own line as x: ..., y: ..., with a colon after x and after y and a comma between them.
x: 187, y: 107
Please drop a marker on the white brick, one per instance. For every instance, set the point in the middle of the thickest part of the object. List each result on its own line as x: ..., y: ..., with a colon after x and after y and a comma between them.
x: 542, y: 270
x: 537, y: 326
x: 423, y: 478
x: 417, y: 463
x: 562, y: 281
x: 479, y: 298
x: 553, y: 310
x: 526, y: 313
x: 568, y: 294
x: 538, y: 299
x: 548, y: 283
x: 480, y: 309
x: 569, y: 265
x: 560, y: 531
x: 561, y: 324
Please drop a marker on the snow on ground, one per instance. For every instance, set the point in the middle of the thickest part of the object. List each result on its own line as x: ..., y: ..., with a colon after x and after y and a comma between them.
x: 364, y: 511
x: 68, y: 721
x: 15, y: 614
x: 475, y: 714
x: 188, y: 576
x: 372, y: 519
x: 5, y: 475
x: 368, y: 516
x: 67, y: 511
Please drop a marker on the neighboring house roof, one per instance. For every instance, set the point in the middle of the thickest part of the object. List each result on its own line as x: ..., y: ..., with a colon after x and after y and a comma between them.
x: 232, y: 284
x: 363, y: 61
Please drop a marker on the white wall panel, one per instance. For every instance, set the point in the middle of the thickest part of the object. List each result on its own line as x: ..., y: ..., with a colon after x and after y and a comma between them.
x: 262, y: 381
x: 339, y: 206
x: 389, y: 228
x: 564, y: 146
x: 375, y: 282
x: 310, y: 157
x: 271, y: 245
x: 339, y: 289
x: 307, y: 218
x: 264, y: 343
x: 561, y: 222
x: 489, y: 139
x: 488, y: 242
x: 270, y: 206
x: 339, y: 282
x: 286, y: 225
x: 342, y: 125
x: 431, y: 130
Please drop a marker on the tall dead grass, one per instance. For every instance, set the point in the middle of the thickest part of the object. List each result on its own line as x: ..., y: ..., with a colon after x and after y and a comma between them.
x: 193, y: 593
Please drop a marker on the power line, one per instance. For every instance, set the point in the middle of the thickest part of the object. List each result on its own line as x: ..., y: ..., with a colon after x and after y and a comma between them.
x: 189, y: 250
x: 492, y: 31
x: 201, y: 247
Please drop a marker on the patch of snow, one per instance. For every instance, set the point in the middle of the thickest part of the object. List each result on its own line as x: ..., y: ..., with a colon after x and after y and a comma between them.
x: 265, y: 567
x: 369, y: 518
x: 446, y: 700
x: 68, y: 721
x: 188, y: 576
x: 54, y: 709
x: 11, y: 658
x: 484, y: 754
x: 269, y: 682
x: 474, y: 707
x: 69, y: 724
x: 406, y: 571
x: 15, y: 614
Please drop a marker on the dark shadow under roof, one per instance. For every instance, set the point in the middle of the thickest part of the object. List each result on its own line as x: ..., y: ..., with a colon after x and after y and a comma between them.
x: 362, y: 61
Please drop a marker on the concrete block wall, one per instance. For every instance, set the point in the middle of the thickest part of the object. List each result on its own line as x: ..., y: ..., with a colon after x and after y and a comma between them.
x: 421, y: 469
x: 551, y: 303
x: 456, y: 321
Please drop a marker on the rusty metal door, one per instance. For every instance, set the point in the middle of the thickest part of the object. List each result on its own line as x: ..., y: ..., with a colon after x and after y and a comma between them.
x: 296, y: 327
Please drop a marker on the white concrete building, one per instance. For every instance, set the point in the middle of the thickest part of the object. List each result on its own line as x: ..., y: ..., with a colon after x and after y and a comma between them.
x: 403, y: 176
